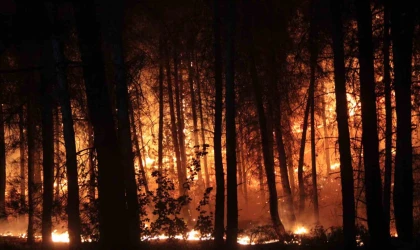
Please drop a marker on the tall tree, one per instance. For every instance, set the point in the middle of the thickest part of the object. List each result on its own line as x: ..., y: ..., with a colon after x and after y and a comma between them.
x: 47, y: 123
x: 2, y: 167
x: 220, y: 179
x: 231, y: 183
x: 388, y: 117
x: 174, y: 133
x: 138, y: 153
x: 194, y: 107
x: 313, y: 51
x: 266, y: 136
x: 31, y: 131
x: 113, y: 229
x: 373, y: 185
x: 161, y: 115
x: 346, y: 170
x: 301, y: 184
x: 202, y: 128
x: 22, y: 158
x: 112, y: 25
x: 275, y: 110
x: 402, y: 26
x: 74, y: 224
x: 179, y: 114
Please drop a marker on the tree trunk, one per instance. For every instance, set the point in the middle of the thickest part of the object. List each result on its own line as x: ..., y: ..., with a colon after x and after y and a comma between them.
x: 179, y: 114
x: 92, y: 163
x: 325, y: 130
x: 388, y: 119
x: 313, y: 158
x: 181, y: 174
x: 31, y: 130
x: 161, y: 115
x: 203, y: 136
x: 301, y: 158
x: 22, y: 159
x: 74, y: 224
x: 194, y: 112
x: 313, y: 50
x: 402, y: 26
x: 47, y: 145
x: 231, y: 183
x: 276, y: 115
x: 113, y: 222
x: 57, y: 157
x: 112, y: 24
x: 219, y: 214
x: 266, y: 142
x: 2, y: 167
x: 375, y: 216
x: 138, y: 151
x: 346, y: 170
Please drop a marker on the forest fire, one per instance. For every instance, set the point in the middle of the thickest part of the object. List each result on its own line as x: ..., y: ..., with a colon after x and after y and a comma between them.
x: 300, y: 230
x: 195, y: 121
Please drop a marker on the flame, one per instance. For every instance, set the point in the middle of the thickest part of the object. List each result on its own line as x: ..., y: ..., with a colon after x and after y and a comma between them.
x: 300, y: 230
x: 60, y: 237
x: 335, y: 166
x: 245, y: 240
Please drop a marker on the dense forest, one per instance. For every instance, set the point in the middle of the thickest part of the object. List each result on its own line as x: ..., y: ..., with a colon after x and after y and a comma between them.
x: 275, y: 123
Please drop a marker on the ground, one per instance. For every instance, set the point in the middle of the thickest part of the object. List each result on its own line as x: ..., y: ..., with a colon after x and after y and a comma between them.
x: 14, y: 243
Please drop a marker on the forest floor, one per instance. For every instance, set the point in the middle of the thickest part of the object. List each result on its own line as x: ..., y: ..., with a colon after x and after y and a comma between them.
x: 15, y: 243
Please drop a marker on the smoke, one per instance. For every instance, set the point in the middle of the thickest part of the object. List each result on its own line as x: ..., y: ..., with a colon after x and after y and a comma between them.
x: 14, y: 226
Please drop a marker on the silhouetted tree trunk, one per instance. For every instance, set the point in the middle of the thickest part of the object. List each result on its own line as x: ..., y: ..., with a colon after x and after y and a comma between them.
x: 402, y: 26
x: 74, y: 224
x: 232, y: 191
x: 181, y: 174
x: 346, y: 170
x: 113, y: 224
x: 194, y: 112
x: 301, y: 157
x: 388, y: 118
x: 92, y: 163
x: 2, y: 167
x: 325, y: 130
x: 57, y: 157
x: 47, y: 144
x: 218, y: 110
x: 276, y: 115
x: 179, y: 114
x: 202, y: 129
x: 373, y: 185
x: 266, y: 141
x: 313, y: 50
x: 161, y: 115
x: 31, y: 130
x: 22, y: 159
x: 290, y: 152
x: 138, y: 151
x: 112, y: 24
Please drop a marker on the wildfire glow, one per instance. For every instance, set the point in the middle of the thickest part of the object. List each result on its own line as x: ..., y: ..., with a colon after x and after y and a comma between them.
x: 57, y: 237
x: 335, y: 166
x: 301, y: 230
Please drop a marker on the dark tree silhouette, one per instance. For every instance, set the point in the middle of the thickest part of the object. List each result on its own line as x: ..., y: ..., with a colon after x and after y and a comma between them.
x: 346, y: 170
x: 231, y: 182
x: 402, y: 26
x: 375, y: 216
x: 113, y: 229
x: 220, y: 178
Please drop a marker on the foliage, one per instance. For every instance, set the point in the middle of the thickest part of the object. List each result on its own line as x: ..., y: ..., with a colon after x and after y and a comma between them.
x: 167, y: 208
x: 205, y: 219
x: 260, y: 234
